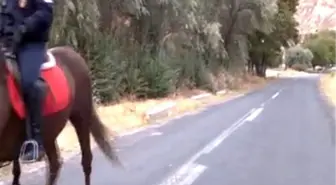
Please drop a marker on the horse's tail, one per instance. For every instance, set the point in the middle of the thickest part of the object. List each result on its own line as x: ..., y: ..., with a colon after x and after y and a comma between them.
x: 100, y: 135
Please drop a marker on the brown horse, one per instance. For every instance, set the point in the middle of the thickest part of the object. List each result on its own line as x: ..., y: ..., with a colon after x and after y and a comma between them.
x: 79, y: 109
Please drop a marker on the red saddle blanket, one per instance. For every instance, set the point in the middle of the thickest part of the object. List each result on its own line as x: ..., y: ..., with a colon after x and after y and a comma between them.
x: 57, y: 97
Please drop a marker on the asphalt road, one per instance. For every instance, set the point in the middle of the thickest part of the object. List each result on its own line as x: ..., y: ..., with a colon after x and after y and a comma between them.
x: 283, y: 134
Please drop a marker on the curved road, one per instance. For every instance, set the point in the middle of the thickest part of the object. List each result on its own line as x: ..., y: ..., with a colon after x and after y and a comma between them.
x: 280, y: 135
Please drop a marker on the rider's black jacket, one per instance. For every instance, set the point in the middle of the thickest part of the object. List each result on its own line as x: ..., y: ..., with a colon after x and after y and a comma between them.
x: 36, y: 17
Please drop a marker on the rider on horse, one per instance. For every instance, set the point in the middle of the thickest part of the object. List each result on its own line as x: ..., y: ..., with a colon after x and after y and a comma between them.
x: 26, y: 26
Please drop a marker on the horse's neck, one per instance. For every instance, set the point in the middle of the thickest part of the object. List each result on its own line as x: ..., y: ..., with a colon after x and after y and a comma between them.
x: 3, y: 73
x: 4, y: 99
x: 5, y: 104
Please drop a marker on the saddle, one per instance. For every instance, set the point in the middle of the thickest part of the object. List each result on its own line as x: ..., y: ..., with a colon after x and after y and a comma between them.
x: 49, y: 62
x: 52, y: 81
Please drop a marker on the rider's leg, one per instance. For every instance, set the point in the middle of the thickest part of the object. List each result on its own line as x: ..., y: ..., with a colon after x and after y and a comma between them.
x: 30, y: 59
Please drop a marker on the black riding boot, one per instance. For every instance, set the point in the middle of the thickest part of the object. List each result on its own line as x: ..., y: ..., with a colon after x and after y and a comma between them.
x: 34, y: 100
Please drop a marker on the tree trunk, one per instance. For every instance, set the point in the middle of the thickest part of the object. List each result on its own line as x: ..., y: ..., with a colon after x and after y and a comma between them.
x: 250, y: 66
x: 262, y: 66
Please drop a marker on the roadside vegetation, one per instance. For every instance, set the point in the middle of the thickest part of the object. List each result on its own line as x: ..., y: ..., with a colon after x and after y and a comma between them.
x: 323, y: 47
x: 317, y: 51
x: 151, y: 49
x: 322, y: 44
x: 299, y: 58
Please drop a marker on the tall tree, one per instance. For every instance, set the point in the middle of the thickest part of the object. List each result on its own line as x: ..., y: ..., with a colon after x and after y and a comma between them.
x: 239, y: 19
x: 266, y: 48
x: 291, y: 4
x: 323, y: 47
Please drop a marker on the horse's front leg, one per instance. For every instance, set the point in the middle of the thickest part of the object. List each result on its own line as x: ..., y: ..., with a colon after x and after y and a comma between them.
x: 54, y: 162
x: 16, y: 171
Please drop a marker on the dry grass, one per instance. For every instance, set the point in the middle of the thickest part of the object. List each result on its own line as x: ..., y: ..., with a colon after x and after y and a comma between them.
x: 328, y: 87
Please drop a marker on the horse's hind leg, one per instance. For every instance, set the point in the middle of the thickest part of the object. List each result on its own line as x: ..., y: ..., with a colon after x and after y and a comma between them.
x: 54, y: 161
x: 16, y: 171
x: 81, y: 122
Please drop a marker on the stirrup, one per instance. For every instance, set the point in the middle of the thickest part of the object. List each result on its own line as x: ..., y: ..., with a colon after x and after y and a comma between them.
x: 35, y: 150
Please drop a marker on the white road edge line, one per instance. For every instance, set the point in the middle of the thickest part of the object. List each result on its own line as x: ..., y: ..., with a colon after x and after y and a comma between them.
x: 275, y: 95
x: 194, y: 174
x: 186, y: 175
x: 271, y: 98
x: 156, y: 134
x: 187, y: 166
x: 254, y: 114
x: 218, y: 140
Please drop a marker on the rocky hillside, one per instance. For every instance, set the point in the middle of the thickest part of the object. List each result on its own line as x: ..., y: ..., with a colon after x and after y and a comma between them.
x: 315, y: 15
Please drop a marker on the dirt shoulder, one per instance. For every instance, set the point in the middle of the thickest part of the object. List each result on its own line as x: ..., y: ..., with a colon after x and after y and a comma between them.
x: 328, y: 87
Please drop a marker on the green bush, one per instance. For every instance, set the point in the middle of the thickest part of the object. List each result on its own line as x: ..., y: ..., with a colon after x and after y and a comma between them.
x: 322, y: 45
x: 159, y: 77
x: 192, y: 73
x: 116, y: 74
x: 298, y: 56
